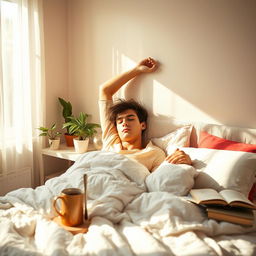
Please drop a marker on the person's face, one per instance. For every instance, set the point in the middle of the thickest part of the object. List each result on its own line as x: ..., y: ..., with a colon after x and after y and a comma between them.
x: 128, y: 126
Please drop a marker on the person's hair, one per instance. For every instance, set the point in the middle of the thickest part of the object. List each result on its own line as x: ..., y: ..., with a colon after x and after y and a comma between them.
x: 123, y: 105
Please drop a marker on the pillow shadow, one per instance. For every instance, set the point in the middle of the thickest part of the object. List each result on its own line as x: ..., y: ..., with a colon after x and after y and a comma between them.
x: 204, y: 178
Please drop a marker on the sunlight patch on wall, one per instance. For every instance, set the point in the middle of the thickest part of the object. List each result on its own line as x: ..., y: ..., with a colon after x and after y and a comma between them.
x: 120, y: 64
x: 127, y: 63
x: 115, y: 62
x: 167, y: 103
x: 163, y: 102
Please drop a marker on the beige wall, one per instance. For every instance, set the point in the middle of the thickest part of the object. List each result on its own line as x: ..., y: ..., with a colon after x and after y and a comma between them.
x: 206, y: 49
x: 56, y: 68
x: 56, y: 57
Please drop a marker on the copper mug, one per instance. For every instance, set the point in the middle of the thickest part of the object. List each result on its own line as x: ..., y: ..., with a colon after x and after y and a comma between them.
x: 71, y: 208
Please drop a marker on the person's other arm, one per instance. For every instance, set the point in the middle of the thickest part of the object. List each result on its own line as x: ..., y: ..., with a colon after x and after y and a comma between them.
x: 179, y: 157
x: 109, y: 88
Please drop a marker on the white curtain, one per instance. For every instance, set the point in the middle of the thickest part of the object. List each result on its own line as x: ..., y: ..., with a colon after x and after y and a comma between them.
x: 21, y: 85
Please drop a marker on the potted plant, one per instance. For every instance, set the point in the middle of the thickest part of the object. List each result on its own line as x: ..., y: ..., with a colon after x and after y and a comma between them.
x: 67, y: 113
x: 53, y: 136
x: 82, y: 129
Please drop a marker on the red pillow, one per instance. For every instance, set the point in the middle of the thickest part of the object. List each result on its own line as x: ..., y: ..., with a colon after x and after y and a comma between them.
x: 210, y: 141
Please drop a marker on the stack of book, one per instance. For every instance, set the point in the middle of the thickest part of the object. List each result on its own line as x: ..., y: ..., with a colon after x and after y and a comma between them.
x: 226, y: 205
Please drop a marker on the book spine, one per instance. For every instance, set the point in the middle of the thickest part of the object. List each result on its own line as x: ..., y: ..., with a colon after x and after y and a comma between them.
x: 232, y: 219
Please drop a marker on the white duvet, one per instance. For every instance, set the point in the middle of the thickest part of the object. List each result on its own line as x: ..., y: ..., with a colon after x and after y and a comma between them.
x: 126, y: 219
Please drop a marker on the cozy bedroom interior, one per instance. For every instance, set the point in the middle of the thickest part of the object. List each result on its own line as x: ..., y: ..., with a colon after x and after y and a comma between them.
x: 51, y: 49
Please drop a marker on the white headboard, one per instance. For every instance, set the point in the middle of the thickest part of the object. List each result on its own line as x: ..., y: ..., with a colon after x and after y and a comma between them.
x: 160, y: 126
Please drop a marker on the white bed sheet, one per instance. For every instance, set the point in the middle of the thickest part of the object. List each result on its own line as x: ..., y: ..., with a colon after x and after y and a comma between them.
x: 125, y: 218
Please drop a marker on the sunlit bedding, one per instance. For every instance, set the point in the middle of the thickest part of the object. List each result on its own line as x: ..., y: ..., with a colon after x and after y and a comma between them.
x: 133, y: 212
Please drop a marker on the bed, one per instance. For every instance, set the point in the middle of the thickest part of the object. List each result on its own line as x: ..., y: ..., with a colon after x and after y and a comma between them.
x: 133, y: 212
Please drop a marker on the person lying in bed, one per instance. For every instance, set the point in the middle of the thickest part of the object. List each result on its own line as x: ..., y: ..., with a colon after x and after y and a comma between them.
x: 124, y: 122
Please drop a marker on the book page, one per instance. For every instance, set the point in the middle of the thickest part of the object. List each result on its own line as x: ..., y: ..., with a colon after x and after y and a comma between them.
x: 205, y: 194
x: 235, y: 196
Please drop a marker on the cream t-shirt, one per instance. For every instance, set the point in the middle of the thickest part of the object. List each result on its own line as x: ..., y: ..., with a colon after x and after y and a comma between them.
x: 151, y: 156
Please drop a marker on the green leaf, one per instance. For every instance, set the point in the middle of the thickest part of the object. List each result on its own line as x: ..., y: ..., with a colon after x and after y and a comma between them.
x: 50, y: 132
x: 67, y: 125
x: 43, y: 134
x: 43, y: 129
x: 79, y: 126
x: 67, y: 111
x: 53, y: 127
x: 67, y: 108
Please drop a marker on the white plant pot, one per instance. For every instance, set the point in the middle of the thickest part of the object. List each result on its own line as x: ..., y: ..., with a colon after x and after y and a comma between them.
x: 81, y: 146
x: 54, y: 144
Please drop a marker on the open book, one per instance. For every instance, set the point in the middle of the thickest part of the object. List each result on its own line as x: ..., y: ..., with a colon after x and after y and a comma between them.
x: 208, y: 196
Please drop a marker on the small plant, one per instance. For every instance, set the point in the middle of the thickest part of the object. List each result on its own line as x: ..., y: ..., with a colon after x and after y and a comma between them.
x: 66, y: 112
x: 50, y: 132
x: 80, y: 127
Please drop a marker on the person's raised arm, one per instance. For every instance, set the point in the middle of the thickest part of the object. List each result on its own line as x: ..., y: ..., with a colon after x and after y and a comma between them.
x: 109, y: 88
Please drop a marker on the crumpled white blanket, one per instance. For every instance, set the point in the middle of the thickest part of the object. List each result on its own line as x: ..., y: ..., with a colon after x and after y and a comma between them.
x: 125, y: 218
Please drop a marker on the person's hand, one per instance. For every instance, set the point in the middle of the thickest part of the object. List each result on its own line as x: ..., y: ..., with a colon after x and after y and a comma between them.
x: 147, y: 65
x: 178, y: 157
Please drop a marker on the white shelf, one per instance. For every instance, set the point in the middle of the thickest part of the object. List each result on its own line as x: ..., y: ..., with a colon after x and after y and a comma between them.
x: 65, y: 152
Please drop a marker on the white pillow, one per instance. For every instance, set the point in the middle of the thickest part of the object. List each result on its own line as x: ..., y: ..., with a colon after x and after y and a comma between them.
x: 223, y: 169
x: 177, y: 179
x: 178, y: 138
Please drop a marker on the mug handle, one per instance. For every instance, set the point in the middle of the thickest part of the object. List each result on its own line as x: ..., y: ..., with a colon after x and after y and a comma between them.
x: 55, y: 206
